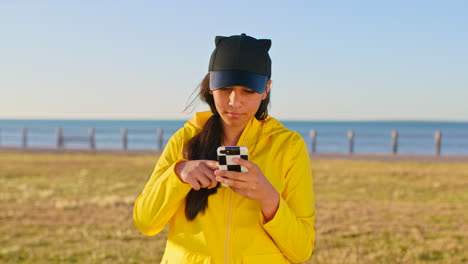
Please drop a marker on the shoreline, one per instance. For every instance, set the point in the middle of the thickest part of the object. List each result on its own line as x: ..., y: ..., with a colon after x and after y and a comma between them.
x: 313, y: 156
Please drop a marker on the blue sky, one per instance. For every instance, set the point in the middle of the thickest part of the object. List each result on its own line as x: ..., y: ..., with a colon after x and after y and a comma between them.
x: 332, y: 60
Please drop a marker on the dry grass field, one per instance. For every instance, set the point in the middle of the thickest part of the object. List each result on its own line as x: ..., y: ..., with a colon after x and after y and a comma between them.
x: 77, y: 208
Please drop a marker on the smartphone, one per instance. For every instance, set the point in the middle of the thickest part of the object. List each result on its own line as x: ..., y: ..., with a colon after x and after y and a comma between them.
x: 225, y: 155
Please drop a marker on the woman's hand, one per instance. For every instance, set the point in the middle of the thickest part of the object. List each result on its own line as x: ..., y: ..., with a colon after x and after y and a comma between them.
x: 198, y: 173
x: 253, y: 185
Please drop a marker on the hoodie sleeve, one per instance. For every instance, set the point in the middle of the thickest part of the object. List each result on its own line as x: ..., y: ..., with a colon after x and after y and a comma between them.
x: 164, y: 192
x: 292, y: 227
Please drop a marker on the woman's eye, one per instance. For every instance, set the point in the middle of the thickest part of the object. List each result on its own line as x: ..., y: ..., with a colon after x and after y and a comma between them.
x: 249, y: 91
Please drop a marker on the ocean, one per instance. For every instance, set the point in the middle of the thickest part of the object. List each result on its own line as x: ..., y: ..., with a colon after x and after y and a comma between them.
x: 414, y: 137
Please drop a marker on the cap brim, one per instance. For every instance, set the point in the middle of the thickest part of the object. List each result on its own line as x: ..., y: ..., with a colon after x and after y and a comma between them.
x: 254, y: 81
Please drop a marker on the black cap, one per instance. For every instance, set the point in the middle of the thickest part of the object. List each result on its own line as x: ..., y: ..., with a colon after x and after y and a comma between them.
x: 240, y: 60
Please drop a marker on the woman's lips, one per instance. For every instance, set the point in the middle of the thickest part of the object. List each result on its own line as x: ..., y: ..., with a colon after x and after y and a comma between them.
x: 234, y: 115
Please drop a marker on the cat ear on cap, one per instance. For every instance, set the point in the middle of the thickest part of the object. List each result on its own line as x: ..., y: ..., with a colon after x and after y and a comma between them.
x: 266, y: 43
x: 218, y: 39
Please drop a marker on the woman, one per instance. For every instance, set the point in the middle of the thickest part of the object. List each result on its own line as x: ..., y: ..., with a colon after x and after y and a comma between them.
x: 265, y: 215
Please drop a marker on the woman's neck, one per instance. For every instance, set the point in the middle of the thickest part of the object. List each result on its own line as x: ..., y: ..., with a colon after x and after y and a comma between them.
x: 231, y: 135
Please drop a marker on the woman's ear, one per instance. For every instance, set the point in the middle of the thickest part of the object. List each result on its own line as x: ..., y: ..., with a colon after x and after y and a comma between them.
x: 267, y: 90
x: 210, y: 92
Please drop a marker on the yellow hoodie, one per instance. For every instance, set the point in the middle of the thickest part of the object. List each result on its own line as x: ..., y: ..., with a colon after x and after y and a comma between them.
x: 233, y: 229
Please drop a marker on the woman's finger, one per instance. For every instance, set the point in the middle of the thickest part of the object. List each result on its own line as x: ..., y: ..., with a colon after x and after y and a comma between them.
x: 213, y: 165
x: 230, y: 174
x: 239, y: 176
x: 251, y: 167
x: 203, y: 180
x: 232, y: 183
x: 194, y: 183
x: 208, y: 172
x: 213, y: 184
x: 212, y: 177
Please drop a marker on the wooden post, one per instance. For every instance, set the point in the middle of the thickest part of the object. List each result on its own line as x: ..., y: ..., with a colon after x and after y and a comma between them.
x: 24, y: 132
x: 59, y: 138
x: 394, y: 142
x: 124, y: 138
x: 438, y: 139
x: 351, y: 141
x: 160, y: 139
x: 92, y: 141
x: 313, y: 140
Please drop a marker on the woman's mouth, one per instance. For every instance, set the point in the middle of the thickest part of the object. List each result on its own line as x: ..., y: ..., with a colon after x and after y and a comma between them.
x: 234, y: 115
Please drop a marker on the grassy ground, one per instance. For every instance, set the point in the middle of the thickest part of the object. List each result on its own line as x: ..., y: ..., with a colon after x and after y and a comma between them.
x: 77, y: 208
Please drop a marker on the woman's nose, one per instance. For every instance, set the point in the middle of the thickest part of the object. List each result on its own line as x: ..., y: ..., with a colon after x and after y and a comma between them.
x: 234, y: 98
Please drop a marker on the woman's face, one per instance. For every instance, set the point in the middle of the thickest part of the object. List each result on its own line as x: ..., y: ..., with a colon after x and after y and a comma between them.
x: 238, y: 104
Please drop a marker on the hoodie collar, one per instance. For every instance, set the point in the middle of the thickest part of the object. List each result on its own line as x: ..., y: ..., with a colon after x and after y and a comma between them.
x: 250, y: 135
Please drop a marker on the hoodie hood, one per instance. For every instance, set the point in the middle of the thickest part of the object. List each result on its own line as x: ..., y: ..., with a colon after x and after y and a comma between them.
x: 254, y: 132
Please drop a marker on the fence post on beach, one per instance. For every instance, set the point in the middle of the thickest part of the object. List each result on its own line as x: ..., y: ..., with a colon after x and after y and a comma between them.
x: 59, y: 138
x: 160, y: 133
x: 124, y: 138
x: 92, y: 141
x: 24, y: 132
x: 394, y: 142
x: 313, y: 140
x: 438, y: 139
x: 351, y: 141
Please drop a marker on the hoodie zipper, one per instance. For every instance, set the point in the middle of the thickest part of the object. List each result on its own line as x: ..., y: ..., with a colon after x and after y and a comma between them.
x: 227, y: 243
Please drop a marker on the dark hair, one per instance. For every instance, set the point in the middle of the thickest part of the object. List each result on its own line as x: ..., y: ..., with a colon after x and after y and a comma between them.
x: 204, y: 145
